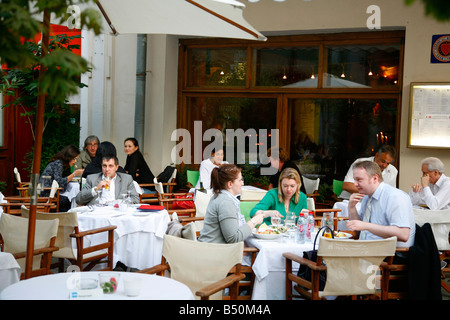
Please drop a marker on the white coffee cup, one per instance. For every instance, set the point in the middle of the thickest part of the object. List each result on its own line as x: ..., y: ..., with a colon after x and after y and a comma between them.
x: 132, y: 286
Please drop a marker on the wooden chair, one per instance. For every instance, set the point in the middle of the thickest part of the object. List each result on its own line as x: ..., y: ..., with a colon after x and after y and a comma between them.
x: 153, y: 197
x: 167, y: 200
x: 439, y: 221
x: 202, y: 266
x: 84, y: 257
x: 351, y: 268
x: 311, y: 187
x: 22, y: 187
x: 192, y: 178
x: 13, y: 239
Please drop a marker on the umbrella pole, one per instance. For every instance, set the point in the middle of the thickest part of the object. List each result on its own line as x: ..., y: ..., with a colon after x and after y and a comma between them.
x: 37, y: 150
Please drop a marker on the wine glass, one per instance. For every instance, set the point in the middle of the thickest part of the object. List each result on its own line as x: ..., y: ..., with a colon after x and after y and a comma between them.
x: 276, y: 222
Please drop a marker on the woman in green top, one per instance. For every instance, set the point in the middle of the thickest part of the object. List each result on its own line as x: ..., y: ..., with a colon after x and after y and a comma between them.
x: 286, y: 198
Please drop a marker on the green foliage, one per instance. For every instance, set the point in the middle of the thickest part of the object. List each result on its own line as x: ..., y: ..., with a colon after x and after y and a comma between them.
x: 3, y: 186
x: 438, y: 9
x: 252, y: 177
x: 19, y: 20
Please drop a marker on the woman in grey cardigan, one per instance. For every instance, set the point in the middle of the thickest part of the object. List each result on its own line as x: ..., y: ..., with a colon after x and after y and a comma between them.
x: 223, y: 221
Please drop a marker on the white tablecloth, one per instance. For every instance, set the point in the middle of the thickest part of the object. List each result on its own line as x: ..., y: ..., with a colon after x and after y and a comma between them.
x: 58, y: 287
x: 73, y: 188
x: 138, y: 239
x: 270, y: 266
x: 9, y: 270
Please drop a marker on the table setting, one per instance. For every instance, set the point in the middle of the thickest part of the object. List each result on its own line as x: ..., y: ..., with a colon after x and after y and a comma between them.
x: 138, y: 237
x: 98, y: 285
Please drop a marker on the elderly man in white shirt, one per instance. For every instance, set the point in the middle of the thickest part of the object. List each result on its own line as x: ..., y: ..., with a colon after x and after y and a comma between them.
x: 434, y: 189
x: 383, y: 157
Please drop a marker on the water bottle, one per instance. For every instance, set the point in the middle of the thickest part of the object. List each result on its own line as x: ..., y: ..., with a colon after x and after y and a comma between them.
x: 310, y: 226
x: 300, y: 237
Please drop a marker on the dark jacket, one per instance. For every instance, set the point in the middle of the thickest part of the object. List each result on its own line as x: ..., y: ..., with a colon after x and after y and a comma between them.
x: 424, y: 266
x: 288, y: 164
x: 138, y: 168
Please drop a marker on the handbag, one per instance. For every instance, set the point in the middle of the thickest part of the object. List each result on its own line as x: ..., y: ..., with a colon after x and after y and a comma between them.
x: 184, y: 204
x: 304, y: 271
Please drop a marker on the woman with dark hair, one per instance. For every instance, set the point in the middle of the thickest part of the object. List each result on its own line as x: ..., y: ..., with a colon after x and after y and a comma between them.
x: 105, y: 148
x: 60, y: 162
x: 224, y: 222
x: 136, y: 165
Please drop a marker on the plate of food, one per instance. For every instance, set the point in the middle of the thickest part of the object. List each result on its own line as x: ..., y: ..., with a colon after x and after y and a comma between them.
x: 342, y: 235
x: 266, y: 233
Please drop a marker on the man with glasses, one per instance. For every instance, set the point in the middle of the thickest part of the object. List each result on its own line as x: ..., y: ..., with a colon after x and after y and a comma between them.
x: 384, y: 156
x: 434, y: 189
x: 91, y: 144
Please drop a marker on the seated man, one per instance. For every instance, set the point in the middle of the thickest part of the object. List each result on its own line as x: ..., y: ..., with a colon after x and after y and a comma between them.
x: 434, y: 190
x: 385, y: 211
x: 110, y: 184
x: 383, y: 157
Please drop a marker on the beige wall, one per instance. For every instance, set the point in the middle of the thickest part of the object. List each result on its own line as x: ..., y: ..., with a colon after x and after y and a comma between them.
x: 291, y: 17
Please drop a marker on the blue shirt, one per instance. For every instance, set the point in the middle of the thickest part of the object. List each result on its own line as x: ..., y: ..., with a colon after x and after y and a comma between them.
x: 390, y: 207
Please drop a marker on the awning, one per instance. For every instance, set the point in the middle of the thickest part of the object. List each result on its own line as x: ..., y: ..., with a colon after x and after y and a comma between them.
x: 205, y: 18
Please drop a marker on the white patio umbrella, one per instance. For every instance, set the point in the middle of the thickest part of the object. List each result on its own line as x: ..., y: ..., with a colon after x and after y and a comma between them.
x: 205, y: 18
x: 329, y: 81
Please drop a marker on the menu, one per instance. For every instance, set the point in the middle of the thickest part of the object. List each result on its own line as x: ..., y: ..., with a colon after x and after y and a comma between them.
x: 430, y: 115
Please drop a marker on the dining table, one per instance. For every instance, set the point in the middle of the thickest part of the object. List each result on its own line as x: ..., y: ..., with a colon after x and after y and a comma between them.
x: 9, y: 270
x: 138, y: 238
x: 269, y: 266
x: 87, y: 286
x: 72, y: 189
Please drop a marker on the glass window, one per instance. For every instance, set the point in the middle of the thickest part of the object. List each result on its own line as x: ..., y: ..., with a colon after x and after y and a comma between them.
x: 327, y: 135
x: 362, y: 66
x: 287, y: 67
x: 249, y: 114
x: 217, y: 67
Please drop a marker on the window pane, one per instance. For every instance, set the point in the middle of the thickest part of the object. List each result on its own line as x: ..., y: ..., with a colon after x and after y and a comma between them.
x: 362, y: 66
x: 217, y: 67
x: 247, y: 114
x: 292, y: 67
x: 327, y: 135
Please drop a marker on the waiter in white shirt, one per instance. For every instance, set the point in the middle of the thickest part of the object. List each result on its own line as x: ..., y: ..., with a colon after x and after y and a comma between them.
x: 434, y: 189
x: 383, y: 157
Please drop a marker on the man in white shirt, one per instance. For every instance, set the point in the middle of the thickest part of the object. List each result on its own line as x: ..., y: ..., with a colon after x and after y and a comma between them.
x: 434, y: 189
x: 109, y: 184
x: 385, y: 211
x: 383, y: 157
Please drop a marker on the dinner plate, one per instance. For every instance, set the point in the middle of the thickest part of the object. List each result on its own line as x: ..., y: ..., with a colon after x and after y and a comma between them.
x: 345, y: 235
x: 266, y: 236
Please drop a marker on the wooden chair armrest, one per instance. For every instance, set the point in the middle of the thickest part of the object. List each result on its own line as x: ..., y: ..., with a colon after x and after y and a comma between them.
x: 20, y: 255
x: 401, y: 249
x: 190, y: 219
x: 327, y: 210
x: 311, y: 264
x: 219, y: 285
x: 92, y: 231
x: 175, y: 199
x: 251, y: 249
x: 155, y: 269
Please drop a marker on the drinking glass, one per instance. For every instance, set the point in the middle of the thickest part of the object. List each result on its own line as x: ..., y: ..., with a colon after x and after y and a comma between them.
x: 276, y: 221
x: 290, y: 225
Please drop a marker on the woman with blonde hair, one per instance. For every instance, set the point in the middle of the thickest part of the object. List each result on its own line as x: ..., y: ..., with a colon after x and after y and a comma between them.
x: 224, y: 222
x: 284, y: 199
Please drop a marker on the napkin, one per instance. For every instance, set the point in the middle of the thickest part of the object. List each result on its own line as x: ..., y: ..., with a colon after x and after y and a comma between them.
x: 149, y: 207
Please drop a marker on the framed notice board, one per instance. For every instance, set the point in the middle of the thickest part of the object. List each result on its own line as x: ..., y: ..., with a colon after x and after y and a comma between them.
x: 429, y: 114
